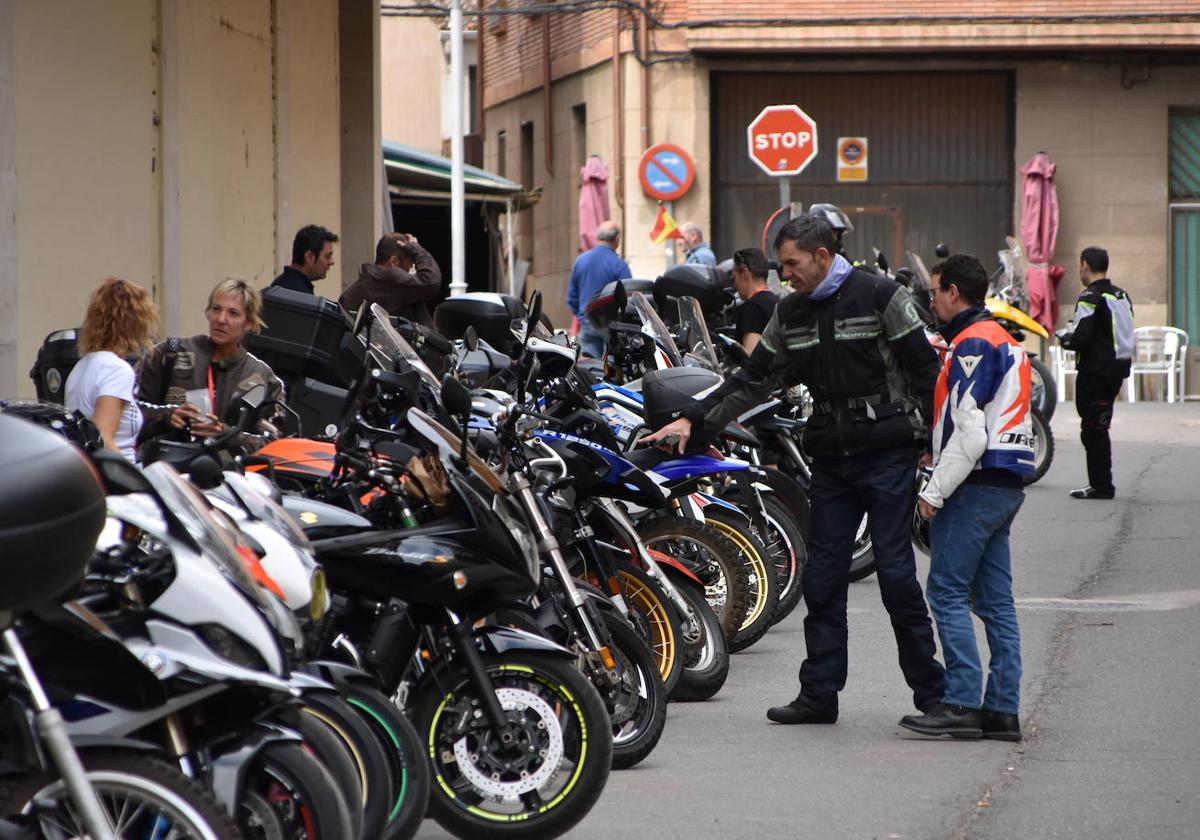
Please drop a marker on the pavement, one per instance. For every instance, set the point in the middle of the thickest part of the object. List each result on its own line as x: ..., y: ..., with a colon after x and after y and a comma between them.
x: 1109, y: 605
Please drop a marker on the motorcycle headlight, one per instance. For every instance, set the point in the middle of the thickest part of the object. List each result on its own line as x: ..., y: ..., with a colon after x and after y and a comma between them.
x: 519, y: 530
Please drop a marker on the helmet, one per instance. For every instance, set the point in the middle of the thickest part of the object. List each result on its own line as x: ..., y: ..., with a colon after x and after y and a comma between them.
x: 920, y: 525
x: 833, y: 217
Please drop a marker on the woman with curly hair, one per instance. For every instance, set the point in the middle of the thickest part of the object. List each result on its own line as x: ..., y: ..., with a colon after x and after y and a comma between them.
x: 120, y: 321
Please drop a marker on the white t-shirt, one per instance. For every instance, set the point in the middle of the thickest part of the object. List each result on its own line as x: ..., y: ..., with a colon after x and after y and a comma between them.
x: 105, y: 374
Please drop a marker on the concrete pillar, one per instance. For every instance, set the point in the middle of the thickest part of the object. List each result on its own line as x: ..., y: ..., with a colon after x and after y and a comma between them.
x: 9, y: 320
x: 361, y: 149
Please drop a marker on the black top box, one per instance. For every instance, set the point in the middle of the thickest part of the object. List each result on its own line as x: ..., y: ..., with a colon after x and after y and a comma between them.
x: 306, y: 336
x: 491, y: 315
x: 711, y: 286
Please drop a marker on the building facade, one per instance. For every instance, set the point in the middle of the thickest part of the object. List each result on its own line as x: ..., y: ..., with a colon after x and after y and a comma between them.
x: 952, y: 98
x: 174, y: 144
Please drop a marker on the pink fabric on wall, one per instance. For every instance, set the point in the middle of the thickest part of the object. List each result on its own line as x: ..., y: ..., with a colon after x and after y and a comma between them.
x: 1039, y: 231
x: 593, y: 201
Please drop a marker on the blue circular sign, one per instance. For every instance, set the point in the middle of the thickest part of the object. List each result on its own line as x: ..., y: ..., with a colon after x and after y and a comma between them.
x: 666, y: 172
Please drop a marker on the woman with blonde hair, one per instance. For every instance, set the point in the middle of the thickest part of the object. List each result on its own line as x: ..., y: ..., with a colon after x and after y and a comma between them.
x: 120, y: 321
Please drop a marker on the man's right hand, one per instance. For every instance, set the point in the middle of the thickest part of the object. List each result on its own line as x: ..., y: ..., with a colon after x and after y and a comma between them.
x: 681, y: 429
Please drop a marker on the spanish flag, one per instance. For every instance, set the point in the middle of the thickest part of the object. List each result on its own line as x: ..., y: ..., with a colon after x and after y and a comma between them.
x: 664, y: 227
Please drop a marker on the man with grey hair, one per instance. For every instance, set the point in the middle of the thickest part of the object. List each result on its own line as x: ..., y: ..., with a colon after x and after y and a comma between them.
x: 698, y: 252
x: 856, y: 340
x: 592, y: 270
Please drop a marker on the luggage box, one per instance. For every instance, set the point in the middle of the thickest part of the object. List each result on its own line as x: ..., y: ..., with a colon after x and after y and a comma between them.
x: 306, y: 336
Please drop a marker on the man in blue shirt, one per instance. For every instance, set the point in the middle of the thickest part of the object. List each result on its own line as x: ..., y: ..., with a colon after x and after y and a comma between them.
x: 698, y: 252
x: 591, y: 271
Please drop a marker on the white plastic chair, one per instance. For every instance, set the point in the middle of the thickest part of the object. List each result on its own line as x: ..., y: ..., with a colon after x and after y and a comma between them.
x: 1159, y: 351
x: 1062, y: 365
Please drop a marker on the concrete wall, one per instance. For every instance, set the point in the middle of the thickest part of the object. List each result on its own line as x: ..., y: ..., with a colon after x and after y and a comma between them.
x: 167, y: 142
x: 411, y: 76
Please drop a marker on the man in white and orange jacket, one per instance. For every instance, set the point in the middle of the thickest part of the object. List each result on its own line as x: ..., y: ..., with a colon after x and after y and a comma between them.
x: 982, y: 449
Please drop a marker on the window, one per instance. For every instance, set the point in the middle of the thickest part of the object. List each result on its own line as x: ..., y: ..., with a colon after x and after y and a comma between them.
x: 527, y: 155
x: 502, y: 154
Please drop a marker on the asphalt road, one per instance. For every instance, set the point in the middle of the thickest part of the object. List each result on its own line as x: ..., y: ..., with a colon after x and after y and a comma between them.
x: 1109, y: 604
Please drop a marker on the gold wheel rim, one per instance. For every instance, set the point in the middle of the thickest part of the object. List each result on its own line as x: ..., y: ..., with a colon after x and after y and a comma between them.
x: 758, y: 594
x: 662, y: 636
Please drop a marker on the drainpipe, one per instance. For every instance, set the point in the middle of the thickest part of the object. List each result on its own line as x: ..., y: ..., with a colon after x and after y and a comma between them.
x: 547, y: 115
x: 618, y: 123
x: 644, y: 50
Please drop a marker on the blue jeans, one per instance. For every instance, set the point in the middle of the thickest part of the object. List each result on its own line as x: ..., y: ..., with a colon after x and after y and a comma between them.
x: 970, y: 560
x: 591, y: 340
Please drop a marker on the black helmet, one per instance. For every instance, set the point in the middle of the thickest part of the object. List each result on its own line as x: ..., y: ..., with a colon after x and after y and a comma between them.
x: 832, y: 216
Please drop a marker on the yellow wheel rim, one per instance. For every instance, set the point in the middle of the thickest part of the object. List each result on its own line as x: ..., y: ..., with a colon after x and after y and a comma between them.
x: 758, y: 568
x: 662, y: 637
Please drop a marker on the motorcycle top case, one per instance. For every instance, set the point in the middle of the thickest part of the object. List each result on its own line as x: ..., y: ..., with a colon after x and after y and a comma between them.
x: 306, y: 336
x: 709, y: 285
x: 56, y: 358
x: 51, y: 512
x: 491, y: 315
x: 601, y: 310
x: 666, y: 394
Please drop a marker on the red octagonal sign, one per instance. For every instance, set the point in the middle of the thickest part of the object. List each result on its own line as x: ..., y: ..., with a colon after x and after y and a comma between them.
x: 782, y: 140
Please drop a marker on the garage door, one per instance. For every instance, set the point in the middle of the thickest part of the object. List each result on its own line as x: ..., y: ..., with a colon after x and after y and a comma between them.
x: 940, y: 158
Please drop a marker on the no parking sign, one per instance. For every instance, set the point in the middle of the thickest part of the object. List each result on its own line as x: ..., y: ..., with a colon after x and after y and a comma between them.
x: 666, y: 172
x: 852, y: 159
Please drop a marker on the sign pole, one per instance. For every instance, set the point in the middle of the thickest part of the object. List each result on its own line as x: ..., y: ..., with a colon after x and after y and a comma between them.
x: 458, y: 239
x: 670, y: 242
x: 785, y: 192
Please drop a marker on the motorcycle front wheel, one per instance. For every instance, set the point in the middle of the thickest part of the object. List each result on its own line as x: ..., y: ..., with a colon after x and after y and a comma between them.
x: 638, y: 703
x: 1043, y: 446
x: 140, y: 795
x: 540, y: 776
x: 706, y: 653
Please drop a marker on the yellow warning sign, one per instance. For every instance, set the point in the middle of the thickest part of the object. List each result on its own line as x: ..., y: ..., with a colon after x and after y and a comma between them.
x: 852, y: 159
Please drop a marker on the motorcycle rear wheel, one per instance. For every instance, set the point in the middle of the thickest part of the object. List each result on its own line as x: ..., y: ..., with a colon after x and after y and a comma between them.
x: 1043, y: 446
x: 762, y: 577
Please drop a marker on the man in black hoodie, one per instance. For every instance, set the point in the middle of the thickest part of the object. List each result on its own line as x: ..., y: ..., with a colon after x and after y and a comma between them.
x: 403, y: 277
x: 1102, y: 338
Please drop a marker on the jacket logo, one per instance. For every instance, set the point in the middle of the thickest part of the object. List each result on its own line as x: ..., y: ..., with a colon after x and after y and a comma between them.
x: 968, y: 363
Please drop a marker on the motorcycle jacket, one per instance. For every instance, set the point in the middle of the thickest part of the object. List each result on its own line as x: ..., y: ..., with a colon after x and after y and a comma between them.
x: 176, y: 366
x: 982, y: 430
x: 1102, y: 334
x: 862, y: 353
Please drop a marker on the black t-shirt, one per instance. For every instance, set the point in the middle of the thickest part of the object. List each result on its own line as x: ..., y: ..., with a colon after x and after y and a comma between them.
x: 754, y: 314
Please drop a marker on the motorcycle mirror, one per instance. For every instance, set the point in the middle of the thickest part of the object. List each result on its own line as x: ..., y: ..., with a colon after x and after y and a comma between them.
x: 535, y: 313
x: 455, y: 397
x: 205, y: 473
x: 471, y: 338
x: 881, y: 261
x: 620, y: 298
x: 942, y: 250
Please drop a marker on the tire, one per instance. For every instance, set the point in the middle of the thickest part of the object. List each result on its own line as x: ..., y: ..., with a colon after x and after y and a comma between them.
x: 711, y: 556
x: 862, y: 556
x: 322, y: 739
x: 304, y: 797
x: 576, y: 739
x: 405, y: 755
x: 706, y: 653
x: 762, y: 577
x: 637, y: 707
x: 1043, y: 447
x: 143, y: 778
x: 374, y: 772
x: 789, y: 551
x: 1043, y: 388
x: 653, y: 617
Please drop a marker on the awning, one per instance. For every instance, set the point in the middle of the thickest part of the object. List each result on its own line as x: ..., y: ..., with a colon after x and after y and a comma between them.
x: 413, y: 173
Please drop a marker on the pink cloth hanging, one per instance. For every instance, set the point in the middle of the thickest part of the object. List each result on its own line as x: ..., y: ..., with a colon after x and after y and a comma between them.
x: 593, y: 201
x: 1039, y: 231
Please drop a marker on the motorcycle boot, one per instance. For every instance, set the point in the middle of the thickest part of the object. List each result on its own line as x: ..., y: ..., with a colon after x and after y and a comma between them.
x: 806, y: 708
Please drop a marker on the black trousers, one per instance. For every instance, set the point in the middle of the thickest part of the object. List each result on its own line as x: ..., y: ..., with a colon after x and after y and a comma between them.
x: 1095, y: 394
x: 881, y: 484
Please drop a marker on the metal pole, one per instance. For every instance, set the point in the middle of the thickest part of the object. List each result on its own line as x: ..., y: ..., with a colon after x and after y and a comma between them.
x: 458, y: 269
x: 670, y: 242
x: 785, y: 192
x: 508, y: 239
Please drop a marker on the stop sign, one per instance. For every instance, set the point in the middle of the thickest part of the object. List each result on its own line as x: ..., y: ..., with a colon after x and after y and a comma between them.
x: 782, y: 140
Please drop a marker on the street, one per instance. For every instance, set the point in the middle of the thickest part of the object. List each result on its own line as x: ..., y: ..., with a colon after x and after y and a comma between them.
x: 1109, y: 603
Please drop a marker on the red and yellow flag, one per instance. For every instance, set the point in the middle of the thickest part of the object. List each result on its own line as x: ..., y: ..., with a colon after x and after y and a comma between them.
x: 664, y: 227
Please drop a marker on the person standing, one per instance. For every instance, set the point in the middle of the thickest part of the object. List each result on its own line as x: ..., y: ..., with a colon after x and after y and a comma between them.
x: 120, y: 320
x: 1102, y: 338
x: 698, y: 251
x: 192, y: 385
x: 750, y: 269
x: 312, y: 257
x: 982, y: 449
x: 855, y: 339
x: 591, y: 271
x: 403, y: 277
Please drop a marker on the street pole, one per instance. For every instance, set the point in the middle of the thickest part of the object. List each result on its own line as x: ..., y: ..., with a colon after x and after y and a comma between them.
x: 508, y: 239
x: 785, y: 192
x: 458, y: 269
x: 670, y: 242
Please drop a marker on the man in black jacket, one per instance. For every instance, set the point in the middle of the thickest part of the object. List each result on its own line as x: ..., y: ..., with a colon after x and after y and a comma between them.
x: 312, y: 257
x: 856, y: 340
x: 403, y: 277
x: 1102, y: 338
